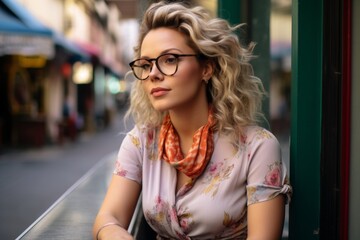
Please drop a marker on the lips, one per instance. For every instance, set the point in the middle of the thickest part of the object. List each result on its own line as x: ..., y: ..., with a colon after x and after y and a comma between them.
x: 157, y: 92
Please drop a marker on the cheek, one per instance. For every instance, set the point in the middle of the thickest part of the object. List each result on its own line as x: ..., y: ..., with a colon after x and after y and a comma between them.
x: 191, y: 83
x: 188, y: 85
x: 192, y: 76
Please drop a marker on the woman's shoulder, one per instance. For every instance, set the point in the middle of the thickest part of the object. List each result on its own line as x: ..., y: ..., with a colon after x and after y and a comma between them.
x: 142, y: 130
x: 257, y: 134
x: 142, y: 134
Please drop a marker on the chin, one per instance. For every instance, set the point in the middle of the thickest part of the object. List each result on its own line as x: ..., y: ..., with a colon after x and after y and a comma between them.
x: 160, y: 107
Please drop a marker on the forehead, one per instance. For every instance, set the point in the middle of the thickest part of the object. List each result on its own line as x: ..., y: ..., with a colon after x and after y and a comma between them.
x: 162, y: 39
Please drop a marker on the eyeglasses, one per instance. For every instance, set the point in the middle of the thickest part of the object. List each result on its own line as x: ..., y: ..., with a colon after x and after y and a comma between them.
x: 166, y: 63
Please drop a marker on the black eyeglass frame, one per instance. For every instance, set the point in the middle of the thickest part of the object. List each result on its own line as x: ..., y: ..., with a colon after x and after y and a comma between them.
x: 151, y: 60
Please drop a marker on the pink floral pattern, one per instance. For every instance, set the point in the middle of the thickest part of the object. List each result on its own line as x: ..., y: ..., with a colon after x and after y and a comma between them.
x: 150, y: 142
x: 233, y: 226
x: 164, y: 214
x: 185, y: 219
x: 217, y: 172
x: 160, y: 216
x: 215, y: 204
x: 262, y: 134
x: 273, y: 177
x: 119, y: 170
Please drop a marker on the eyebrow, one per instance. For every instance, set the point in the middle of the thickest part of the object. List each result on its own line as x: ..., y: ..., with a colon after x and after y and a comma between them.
x: 164, y: 52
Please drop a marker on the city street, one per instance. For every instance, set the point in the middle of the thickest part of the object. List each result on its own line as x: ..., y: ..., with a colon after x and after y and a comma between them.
x: 32, y: 180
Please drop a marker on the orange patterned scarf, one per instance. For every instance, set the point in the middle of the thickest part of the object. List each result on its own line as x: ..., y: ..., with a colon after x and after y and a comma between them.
x: 199, y: 154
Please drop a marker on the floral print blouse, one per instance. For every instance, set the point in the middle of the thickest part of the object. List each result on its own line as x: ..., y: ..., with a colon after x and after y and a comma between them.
x: 215, y: 205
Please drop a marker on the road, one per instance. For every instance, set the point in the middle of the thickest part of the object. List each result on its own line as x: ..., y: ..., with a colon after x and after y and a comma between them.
x: 32, y: 180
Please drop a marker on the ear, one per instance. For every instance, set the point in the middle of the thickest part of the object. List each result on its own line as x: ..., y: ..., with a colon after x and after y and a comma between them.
x: 208, y: 70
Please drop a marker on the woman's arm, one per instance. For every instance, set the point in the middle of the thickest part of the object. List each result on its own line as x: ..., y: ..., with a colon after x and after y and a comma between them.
x: 266, y: 219
x: 117, y: 209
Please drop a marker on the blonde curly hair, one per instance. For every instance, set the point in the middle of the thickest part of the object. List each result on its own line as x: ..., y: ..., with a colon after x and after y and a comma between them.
x: 234, y: 92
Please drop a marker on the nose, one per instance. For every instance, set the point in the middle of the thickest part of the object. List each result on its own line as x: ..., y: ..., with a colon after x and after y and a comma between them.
x: 155, y: 73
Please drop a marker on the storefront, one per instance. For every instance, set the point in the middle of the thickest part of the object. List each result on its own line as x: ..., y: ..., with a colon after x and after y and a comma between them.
x: 34, y: 81
x: 22, y: 49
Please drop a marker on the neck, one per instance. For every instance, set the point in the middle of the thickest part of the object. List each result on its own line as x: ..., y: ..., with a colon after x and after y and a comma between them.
x: 187, y: 121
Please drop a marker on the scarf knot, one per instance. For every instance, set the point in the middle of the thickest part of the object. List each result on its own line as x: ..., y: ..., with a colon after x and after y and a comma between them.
x: 195, y: 161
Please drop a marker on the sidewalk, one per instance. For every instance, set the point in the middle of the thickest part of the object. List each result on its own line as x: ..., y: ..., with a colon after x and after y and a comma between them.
x: 32, y: 180
x: 72, y: 215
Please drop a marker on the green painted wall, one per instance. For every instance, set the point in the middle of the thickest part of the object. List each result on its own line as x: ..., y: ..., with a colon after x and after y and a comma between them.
x: 306, y: 95
x: 256, y: 15
x: 260, y: 34
x: 231, y: 10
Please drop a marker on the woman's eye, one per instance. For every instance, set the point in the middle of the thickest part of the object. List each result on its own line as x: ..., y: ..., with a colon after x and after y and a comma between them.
x: 170, y: 60
x: 145, y: 66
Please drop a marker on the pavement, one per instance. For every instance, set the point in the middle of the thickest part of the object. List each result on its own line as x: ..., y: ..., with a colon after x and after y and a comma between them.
x: 32, y: 180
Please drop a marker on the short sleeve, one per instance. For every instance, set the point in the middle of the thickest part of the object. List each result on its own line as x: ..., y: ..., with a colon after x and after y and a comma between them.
x: 267, y: 174
x: 129, y: 160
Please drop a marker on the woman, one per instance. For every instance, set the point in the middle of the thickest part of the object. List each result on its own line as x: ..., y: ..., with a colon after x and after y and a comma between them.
x: 205, y: 169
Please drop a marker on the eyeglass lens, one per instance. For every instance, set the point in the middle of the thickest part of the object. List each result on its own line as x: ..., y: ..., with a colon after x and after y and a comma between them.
x: 166, y: 64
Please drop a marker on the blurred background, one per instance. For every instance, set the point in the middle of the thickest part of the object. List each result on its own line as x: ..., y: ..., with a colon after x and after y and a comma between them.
x: 63, y: 66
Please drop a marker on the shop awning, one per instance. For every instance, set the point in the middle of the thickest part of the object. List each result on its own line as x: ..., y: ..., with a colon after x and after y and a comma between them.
x: 71, y: 48
x: 18, y: 39
x: 55, y: 38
